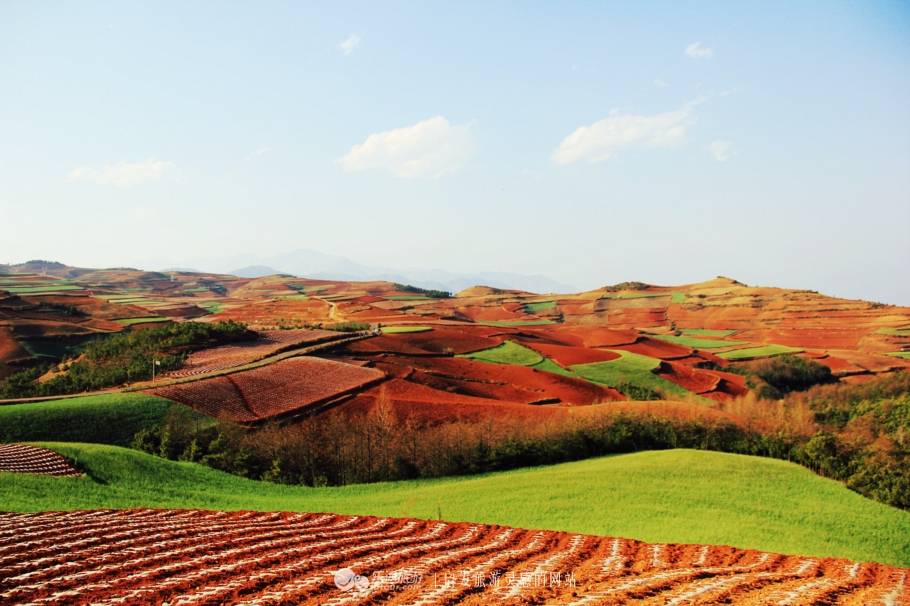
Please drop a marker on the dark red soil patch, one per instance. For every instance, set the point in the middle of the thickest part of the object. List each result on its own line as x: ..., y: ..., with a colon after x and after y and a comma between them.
x: 656, y: 348
x: 270, y: 391
x: 688, y: 377
x: 567, y: 355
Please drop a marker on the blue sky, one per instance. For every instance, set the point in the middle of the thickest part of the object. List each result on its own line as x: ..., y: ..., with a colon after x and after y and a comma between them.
x: 592, y: 142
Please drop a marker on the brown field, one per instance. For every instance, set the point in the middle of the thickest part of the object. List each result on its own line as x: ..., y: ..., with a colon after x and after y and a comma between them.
x: 269, y: 343
x: 184, y: 557
x: 275, y: 390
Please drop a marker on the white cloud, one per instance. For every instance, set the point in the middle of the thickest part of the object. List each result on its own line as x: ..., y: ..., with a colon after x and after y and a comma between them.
x: 661, y: 83
x: 601, y: 140
x: 122, y: 174
x: 721, y: 150
x: 258, y: 153
x: 430, y: 149
x: 697, y: 50
x: 349, y: 45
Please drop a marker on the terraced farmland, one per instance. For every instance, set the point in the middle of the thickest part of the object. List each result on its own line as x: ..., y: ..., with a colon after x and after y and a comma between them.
x: 278, y: 389
x: 186, y: 557
x: 269, y: 342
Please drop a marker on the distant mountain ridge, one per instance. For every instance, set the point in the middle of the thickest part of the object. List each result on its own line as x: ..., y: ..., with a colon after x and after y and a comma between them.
x: 315, y: 264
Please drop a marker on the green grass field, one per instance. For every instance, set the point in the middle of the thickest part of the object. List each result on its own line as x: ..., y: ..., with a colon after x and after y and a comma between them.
x: 540, y: 306
x: 548, y: 365
x: 905, y: 355
x: 895, y: 332
x: 678, y: 297
x: 507, y: 353
x: 632, y: 369
x: 697, y: 343
x: 707, y: 332
x: 107, y: 419
x: 41, y: 290
x: 145, y: 320
x: 394, y: 330
x: 680, y: 496
x: 765, y: 351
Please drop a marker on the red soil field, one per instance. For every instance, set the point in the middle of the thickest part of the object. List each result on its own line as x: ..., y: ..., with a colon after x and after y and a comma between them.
x: 567, y: 355
x: 656, y: 348
x: 9, y: 347
x: 189, y: 557
x: 237, y: 354
x: 587, y: 336
x: 22, y: 458
x: 443, y: 339
x: 278, y: 389
x: 509, y: 383
x: 688, y: 377
x: 273, y: 313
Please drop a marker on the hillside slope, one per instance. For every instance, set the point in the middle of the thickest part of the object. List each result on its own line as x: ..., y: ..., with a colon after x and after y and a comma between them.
x: 679, y: 496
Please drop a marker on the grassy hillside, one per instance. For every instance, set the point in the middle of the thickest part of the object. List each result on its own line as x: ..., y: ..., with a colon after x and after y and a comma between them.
x: 660, y: 496
x: 107, y: 419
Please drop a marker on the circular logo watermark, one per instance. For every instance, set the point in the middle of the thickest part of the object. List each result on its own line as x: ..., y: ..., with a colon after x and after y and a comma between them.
x: 347, y: 580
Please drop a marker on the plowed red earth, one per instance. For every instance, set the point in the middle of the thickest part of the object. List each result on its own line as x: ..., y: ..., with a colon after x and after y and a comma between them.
x: 237, y: 354
x: 688, y: 377
x: 440, y: 340
x: 278, y: 389
x: 656, y: 348
x: 587, y: 336
x: 9, y: 347
x: 208, y: 557
x: 22, y: 458
x: 567, y: 355
x: 509, y: 383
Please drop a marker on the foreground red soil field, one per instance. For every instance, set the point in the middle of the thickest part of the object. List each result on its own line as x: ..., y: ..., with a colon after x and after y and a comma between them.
x: 204, y: 557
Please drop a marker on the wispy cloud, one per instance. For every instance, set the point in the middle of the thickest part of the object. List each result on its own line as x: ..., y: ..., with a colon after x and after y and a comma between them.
x: 601, y: 140
x: 349, y: 44
x: 721, y: 150
x: 428, y: 149
x: 697, y: 50
x: 661, y: 83
x: 121, y: 174
x: 258, y: 153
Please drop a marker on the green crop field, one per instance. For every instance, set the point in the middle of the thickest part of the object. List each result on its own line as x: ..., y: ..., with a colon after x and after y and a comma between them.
x: 41, y: 290
x: 708, y: 332
x: 548, y: 365
x: 213, y: 307
x: 765, y: 351
x: 510, y: 323
x: 540, y: 306
x: 507, y: 353
x: 905, y: 355
x: 682, y: 496
x: 404, y: 328
x: 678, y: 297
x: 145, y: 320
x: 107, y: 419
x: 696, y: 343
x: 630, y: 369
